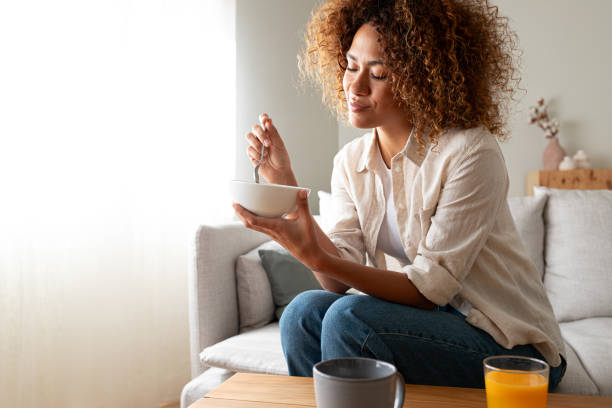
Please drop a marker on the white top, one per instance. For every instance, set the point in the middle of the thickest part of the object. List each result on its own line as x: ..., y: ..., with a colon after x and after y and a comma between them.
x: 389, y: 240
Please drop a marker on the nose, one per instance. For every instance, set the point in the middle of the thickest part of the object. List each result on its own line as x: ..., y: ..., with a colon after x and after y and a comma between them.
x: 360, y: 84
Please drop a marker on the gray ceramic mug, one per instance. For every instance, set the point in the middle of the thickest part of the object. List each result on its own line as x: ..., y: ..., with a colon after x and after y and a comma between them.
x: 357, y: 382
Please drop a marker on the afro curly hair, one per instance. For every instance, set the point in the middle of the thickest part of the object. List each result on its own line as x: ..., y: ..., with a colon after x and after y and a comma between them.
x: 452, y: 63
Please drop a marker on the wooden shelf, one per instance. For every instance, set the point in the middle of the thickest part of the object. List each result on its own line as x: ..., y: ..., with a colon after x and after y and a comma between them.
x: 580, y: 179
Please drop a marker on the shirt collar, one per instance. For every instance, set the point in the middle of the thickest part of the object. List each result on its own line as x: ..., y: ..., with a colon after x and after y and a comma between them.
x: 410, y: 150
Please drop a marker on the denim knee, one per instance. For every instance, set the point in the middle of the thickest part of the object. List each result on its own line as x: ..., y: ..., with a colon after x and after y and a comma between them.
x: 303, y: 308
x: 300, y: 327
x: 341, y: 308
x: 343, y: 333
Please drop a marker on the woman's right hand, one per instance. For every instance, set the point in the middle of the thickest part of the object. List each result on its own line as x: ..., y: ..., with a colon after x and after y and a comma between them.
x: 276, y: 165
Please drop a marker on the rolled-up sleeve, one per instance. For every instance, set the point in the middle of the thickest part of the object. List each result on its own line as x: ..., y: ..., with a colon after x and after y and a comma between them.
x: 345, y: 231
x: 459, y: 225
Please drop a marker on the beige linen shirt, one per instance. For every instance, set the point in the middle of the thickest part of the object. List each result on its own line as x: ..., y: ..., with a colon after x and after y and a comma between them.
x: 456, y: 229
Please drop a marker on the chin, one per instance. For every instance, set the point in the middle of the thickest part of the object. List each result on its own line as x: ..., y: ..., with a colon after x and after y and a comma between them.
x: 361, y: 122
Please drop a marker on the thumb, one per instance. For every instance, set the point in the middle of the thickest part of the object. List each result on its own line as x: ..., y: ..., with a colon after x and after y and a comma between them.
x: 303, y: 202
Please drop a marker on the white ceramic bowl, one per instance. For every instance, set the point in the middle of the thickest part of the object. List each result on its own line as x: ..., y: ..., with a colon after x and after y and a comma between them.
x: 265, y: 200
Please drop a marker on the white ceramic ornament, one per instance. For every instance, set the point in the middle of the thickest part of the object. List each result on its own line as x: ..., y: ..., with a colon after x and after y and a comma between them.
x: 581, y: 160
x: 567, y: 164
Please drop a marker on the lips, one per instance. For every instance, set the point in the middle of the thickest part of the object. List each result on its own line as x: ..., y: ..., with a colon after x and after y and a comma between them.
x: 355, y: 107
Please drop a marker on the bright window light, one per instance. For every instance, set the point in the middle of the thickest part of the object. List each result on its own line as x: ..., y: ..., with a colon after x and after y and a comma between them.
x: 117, y: 135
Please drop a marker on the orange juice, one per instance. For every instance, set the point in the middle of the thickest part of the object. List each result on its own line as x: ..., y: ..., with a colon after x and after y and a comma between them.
x: 516, y: 390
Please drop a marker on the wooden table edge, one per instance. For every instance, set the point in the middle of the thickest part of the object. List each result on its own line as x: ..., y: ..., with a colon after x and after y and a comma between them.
x: 422, y: 395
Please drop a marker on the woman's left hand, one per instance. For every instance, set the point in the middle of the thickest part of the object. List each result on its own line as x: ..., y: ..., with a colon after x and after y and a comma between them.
x: 295, y: 231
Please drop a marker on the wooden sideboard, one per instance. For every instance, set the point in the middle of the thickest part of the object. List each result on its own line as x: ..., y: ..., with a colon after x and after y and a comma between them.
x: 580, y: 179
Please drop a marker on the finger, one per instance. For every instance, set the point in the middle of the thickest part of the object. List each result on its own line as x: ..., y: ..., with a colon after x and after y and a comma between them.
x: 242, y: 214
x: 302, y: 202
x: 253, y: 141
x: 252, y: 221
x: 264, y: 119
x: 255, y: 155
x: 272, y: 132
x: 299, y: 208
x: 259, y: 132
x: 291, y: 216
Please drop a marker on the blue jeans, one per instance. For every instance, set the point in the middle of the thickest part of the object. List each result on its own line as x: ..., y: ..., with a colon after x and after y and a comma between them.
x: 428, y: 347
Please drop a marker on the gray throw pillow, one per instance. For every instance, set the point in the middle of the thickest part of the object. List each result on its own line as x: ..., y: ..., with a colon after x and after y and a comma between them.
x: 255, y: 303
x: 288, y: 277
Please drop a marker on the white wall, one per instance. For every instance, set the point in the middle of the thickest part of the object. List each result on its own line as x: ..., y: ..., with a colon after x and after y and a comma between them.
x: 567, y: 60
x: 269, y: 35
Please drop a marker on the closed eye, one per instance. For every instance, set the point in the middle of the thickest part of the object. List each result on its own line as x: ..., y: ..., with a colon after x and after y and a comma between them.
x: 377, y: 77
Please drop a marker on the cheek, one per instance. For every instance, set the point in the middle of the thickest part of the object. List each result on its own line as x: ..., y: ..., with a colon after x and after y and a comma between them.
x: 386, y: 97
x: 345, y: 85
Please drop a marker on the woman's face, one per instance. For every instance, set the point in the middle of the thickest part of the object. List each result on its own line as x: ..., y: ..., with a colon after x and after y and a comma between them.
x: 366, y: 83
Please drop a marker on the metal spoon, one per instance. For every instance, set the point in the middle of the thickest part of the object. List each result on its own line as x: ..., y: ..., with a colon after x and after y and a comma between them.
x: 256, y: 170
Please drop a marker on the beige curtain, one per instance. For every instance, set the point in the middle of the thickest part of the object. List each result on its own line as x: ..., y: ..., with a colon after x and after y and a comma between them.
x: 116, y: 140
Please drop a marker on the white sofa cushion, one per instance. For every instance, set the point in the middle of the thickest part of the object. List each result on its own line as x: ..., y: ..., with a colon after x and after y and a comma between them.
x: 576, y: 380
x: 578, y: 252
x: 255, y: 304
x: 527, y: 213
x: 255, y: 351
x: 592, y: 341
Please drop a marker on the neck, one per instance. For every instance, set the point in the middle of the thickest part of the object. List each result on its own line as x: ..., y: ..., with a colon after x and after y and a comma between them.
x: 391, y: 141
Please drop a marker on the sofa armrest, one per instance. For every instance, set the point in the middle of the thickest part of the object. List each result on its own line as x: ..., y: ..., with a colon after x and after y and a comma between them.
x: 213, y: 304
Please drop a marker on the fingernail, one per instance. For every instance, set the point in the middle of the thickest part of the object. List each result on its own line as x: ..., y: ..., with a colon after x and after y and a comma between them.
x: 266, y: 142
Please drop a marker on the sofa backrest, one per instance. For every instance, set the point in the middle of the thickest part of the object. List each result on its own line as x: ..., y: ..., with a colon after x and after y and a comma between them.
x: 578, y: 252
x: 527, y: 213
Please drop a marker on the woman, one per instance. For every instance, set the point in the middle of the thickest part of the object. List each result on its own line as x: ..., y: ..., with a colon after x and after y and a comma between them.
x: 428, y: 186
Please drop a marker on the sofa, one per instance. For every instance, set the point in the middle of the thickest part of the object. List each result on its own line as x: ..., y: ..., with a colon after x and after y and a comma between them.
x: 568, y: 234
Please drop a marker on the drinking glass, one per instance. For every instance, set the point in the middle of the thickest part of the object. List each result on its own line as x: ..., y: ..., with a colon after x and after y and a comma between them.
x: 515, y: 382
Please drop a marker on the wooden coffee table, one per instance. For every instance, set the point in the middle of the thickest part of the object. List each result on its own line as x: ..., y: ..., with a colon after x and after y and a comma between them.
x: 279, y: 391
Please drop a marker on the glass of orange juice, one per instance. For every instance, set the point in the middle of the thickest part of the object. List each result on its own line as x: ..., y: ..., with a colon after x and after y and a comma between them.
x: 515, y: 382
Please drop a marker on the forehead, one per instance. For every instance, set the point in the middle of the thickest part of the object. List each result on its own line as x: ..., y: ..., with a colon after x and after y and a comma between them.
x: 365, y: 45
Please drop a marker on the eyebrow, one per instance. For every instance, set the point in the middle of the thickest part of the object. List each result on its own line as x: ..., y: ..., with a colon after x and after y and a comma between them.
x: 369, y: 63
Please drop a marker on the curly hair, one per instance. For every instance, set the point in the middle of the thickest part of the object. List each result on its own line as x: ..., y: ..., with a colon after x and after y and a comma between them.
x: 453, y: 63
